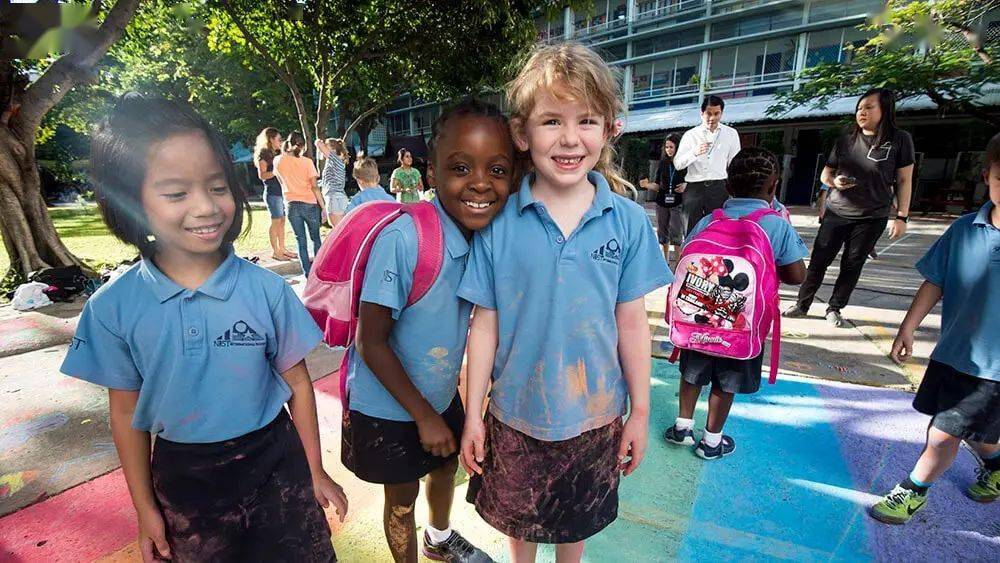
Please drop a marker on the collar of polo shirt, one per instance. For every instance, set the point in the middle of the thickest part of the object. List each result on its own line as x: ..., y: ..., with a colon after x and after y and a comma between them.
x: 219, y: 285
x: 454, y: 240
x: 983, y: 217
x: 602, y: 199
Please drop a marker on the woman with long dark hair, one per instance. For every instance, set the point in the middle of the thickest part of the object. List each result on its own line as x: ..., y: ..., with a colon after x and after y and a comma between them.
x: 669, y: 185
x: 871, y: 163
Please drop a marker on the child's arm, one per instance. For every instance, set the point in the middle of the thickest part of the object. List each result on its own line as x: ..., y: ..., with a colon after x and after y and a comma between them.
x: 484, y: 337
x: 262, y: 171
x: 634, y: 351
x: 927, y: 296
x: 374, y: 327
x: 318, y: 194
x: 133, y: 452
x: 302, y: 407
x: 792, y: 274
x: 324, y: 151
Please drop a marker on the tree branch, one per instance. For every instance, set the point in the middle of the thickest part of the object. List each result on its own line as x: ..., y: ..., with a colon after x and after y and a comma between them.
x: 70, y: 68
x: 367, y: 113
x: 263, y: 53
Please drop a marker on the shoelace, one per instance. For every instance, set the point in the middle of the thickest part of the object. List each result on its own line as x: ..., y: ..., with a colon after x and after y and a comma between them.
x: 897, y: 498
x: 982, y: 475
x: 460, y: 544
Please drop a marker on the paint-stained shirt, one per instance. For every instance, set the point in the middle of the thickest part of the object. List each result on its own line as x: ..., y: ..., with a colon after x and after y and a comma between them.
x: 206, y: 362
x: 965, y: 264
x: 557, y: 372
x: 785, y: 242
x: 376, y: 193
x: 429, y: 336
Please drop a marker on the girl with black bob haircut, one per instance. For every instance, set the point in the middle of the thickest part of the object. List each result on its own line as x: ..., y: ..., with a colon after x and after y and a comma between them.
x: 119, y: 152
x: 203, y: 350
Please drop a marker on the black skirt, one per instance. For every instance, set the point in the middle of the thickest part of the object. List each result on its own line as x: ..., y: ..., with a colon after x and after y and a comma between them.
x: 548, y: 492
x: 389, y: 452
x: 246, y: 499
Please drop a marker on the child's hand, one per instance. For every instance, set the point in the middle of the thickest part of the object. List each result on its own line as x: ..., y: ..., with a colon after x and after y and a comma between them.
x: 635, y: 436
x: 473, y: 446
x: 152, y: 535
x: 902, y: 346
x: 328, y: 491
x: 436, y: 437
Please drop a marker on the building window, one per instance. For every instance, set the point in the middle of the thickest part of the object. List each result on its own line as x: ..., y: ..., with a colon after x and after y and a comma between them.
x: 612, y: 54
x: 740, y: 68
x: 684, y: 38
x: 834, y: 45
x: 665, y: 77
x: 824, y: 10
x: 423, y: 119
x: 399, y: 124
x: 605, y: 15
x: 549, y: 31
x: 761, y: 23
x: 651, y: 9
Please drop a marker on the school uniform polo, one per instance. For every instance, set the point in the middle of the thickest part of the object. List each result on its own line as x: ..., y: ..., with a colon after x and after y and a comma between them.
x: 557, y: 372
x: 965, y: 264
x: 206, y: 362
x: 785, y: 242
x: 429, y: 336
x: 369, y: 194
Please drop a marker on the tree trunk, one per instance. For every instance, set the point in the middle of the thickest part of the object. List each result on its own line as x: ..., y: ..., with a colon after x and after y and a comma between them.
x: 28, y: 232
x: 29, y: 235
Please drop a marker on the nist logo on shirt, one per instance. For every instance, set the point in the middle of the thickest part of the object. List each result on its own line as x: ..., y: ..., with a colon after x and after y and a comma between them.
x: 609, y: 252
x: 240, y: 335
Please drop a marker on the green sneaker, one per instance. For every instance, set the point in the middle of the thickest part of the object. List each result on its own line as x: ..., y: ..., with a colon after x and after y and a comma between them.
x: 987, y: 486
x: 898, y: 506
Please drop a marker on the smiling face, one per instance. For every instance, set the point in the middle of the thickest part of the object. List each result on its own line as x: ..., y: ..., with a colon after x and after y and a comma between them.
x: 565, y: 139
x: 869, y: 113
x: 711, y: 117
x: 275, y: 143
x: 472, y: 169
x: 185, y: 196
x: 407, y: 159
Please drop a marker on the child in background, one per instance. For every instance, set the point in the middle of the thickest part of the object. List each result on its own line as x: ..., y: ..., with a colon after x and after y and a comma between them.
x: 297, y: 174
x: 558, y: 280
x: 753, y: 176
x: 334, y: 178
x: 203, y: 349
x: 961, y: 387
x: 366, y: 173
x: 405, y: 415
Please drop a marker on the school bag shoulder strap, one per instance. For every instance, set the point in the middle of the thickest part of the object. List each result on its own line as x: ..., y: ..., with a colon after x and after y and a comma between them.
x: 430, y: 248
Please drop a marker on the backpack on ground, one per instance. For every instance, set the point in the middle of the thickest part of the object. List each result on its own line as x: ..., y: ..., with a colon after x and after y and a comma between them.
x: 332, y: 293
x: 724, y: 299
x: 65, y: 282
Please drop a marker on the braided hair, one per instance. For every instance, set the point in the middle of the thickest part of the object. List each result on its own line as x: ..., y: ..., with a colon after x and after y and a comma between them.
x: 753, y: 172
x: 464, y: 108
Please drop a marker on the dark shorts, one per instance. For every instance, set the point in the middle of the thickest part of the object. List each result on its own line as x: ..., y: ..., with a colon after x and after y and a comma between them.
x: 727, y: 374
x: 962, y: 405
x: 389, y: 451
x: 246, y: 499
x: 548, y: 492
x: 670, y: 225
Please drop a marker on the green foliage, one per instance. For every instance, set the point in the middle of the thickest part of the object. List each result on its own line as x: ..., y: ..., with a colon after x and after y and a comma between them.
x: 634, y: 154
x: 918, y: 48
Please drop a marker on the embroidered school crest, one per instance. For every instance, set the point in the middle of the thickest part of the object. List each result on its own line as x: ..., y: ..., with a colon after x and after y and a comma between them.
x: 609, y: 252
x: 240, y: 335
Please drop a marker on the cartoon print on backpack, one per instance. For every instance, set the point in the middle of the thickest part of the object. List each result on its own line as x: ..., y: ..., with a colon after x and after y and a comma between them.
x: 712, y: 293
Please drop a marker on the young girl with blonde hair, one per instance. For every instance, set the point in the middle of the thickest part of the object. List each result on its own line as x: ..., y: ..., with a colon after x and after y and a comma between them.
x: 560, y: 327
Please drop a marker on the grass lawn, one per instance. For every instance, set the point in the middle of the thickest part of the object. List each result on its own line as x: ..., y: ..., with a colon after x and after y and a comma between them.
x: 84, y: 233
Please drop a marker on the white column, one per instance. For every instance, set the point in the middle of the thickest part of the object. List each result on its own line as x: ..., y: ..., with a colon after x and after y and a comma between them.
x: 567, y: 23
x: 627, y: 86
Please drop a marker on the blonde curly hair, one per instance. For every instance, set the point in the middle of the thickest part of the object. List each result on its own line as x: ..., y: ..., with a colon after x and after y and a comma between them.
x: 572, y: 71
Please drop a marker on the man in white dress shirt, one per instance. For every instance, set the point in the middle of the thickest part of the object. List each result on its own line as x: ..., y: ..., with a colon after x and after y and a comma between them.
x: 705, y: 152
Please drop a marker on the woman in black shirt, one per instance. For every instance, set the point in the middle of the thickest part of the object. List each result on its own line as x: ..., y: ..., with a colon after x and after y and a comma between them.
x: 669, y: 185
x: 869, y: 160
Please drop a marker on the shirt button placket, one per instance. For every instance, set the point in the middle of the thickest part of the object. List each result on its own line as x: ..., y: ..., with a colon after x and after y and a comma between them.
x: 191, y: 321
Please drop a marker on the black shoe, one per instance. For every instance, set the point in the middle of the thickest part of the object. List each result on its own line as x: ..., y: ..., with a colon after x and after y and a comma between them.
x: 679, y: 437
x: 794, y: 312
x: 725, y: 447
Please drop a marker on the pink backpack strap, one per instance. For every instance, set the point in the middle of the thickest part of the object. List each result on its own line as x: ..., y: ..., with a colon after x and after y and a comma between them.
x: 430, y: 248
x: 718, y: 215
x: 757, y: 214
x: 775, y: 344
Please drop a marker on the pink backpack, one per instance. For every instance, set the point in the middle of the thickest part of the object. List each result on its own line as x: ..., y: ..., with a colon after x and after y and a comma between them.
x: 724, y: 299
x: 333, y: 290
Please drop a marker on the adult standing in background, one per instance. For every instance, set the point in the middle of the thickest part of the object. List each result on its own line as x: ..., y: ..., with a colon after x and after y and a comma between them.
x: 868, y: 159
x: 267, y: 146
x: 297, y: 174
x: 669, y: 185
x: 704, y: 153
x: 405, y: 181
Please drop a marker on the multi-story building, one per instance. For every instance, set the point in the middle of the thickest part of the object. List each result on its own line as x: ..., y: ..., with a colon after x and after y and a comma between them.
x: 673, y: 53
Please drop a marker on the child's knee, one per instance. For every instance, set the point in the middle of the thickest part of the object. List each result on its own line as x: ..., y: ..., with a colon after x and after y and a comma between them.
x: 402, y: 497
x: 447, y: 470
x: 941, y: 440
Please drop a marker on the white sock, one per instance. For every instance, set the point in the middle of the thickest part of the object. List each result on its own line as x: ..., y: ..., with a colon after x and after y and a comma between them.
x: 438, y: 536
x: 712, y: 439
x: 684, y: 423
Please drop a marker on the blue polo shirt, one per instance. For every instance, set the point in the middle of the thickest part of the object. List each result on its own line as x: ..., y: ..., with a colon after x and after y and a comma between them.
x: 557, y: 372
x: 206, y: 362
x: 965, y: 264
x: 369, y: 194
x: 785, y: 242
x: 429, y: 336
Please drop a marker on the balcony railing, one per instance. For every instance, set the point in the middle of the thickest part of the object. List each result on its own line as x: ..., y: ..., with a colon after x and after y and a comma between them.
x: 746, y: 79
x: 664, y: 92
x: 659, y: 8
